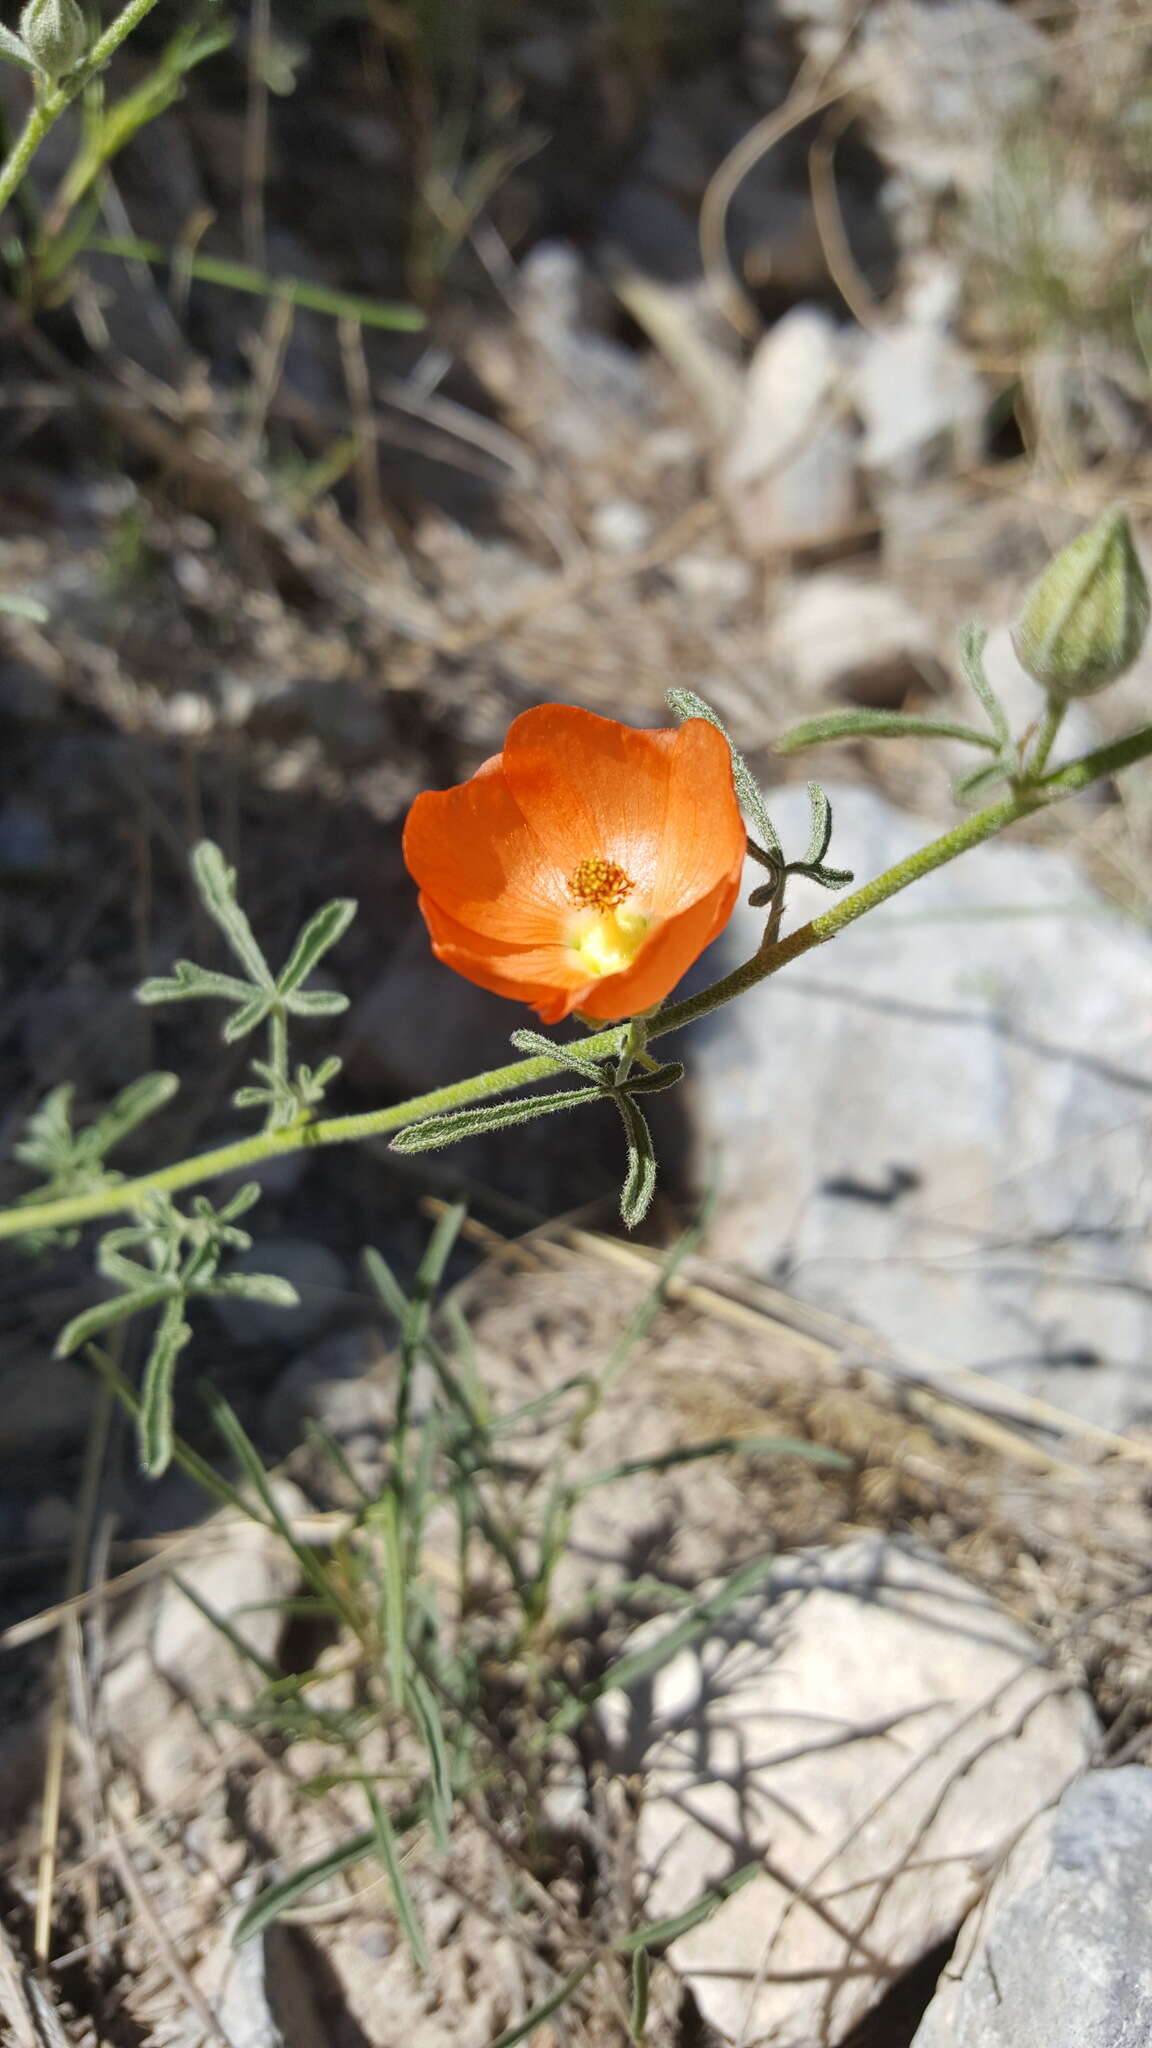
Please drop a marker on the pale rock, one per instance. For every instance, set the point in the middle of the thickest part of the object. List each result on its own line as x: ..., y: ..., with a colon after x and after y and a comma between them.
x: 874, y: 1728
x: 922, y: 405
x: 620, y: 527
x: 170, y: 1667
x: 319, y: 1277
x: 788, y: 473
x: 834, y: 637
x: 946, y: 82
x: 339, y: 1384
x: 1059, y: 1955
x: 936, y: 1125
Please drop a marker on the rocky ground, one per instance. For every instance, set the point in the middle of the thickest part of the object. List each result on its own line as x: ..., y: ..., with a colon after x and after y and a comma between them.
x: 769, y: 426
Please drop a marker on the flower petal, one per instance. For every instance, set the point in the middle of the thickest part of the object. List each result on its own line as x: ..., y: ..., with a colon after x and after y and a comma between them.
x: 704, y: 837
x: 549, y: 976
x: 665, y: 959
x: 470, y: 850
x: 588, y: 786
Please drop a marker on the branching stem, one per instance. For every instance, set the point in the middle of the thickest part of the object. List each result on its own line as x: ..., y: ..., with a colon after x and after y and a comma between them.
x: 768, y: 960
x: 51, y: 103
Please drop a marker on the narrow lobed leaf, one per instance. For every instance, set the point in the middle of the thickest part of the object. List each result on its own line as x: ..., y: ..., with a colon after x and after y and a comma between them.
x: 187, y: 982
x: 248, y: 1016
x: 973, y: 640
x: 154, y: 1426
x: 843, y: 725
x: 655, y: 1082
x: 316, y: 1002
x: 271, y: 1290
x: 133, y: 1106
x: 473, y: 1123
x: 216, y: 883
x: 93, y: 1320
x: 640, y: 1183
x: 821, y: 833
x: 320, y: 932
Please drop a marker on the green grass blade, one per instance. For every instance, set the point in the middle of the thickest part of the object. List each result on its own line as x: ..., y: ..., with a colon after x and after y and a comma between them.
x: 289, y: 1890
x: 243, y: 277
x: 384, y: 1843
x: 658, y: 1933
x: 543, y: 2011
x: 719, y: 1447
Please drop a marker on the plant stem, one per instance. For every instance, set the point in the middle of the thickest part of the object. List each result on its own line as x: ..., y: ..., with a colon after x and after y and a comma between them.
x: 48, y: 106
x: 1045, y: 738
x: 769, y: 959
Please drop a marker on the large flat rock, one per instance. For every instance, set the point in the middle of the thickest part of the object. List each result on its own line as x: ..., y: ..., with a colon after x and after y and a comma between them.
x: 879, y: 1734
x: 937, y: 1125
x: 1060, y: 1954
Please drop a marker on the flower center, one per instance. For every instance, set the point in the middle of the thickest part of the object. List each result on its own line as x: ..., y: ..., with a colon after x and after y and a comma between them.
x: 599, y: 884
x: 606, y: 937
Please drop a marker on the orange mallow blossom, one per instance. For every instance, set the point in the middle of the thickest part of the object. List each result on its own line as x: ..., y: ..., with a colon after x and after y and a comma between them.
x: 584, y: 868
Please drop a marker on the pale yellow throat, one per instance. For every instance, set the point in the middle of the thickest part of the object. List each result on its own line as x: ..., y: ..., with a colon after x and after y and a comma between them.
x: 611, y: 941
x: 606, y: 936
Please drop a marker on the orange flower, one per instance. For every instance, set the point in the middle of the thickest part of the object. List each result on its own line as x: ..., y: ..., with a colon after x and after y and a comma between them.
x: 584, y: 868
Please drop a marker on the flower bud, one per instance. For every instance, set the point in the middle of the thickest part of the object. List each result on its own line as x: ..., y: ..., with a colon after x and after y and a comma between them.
x: 1084, y: 620
x: 55, y: 34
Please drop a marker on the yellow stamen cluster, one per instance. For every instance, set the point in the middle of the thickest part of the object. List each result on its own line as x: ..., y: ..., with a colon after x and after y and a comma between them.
x: 599, y: 884
x: 606, y: 937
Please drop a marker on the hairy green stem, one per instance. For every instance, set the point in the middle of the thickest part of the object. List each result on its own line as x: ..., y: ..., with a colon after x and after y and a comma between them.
x: 48, y: 106
x: 769, y: 959
x: 1045, y: 738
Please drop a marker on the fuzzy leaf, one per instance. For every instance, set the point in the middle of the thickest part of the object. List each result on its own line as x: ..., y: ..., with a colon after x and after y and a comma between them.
x: 655, y: 1082
x: 248, y: 1016
x: 844, y: 725
x: 658, y: 1933
x: 821, y: 834
x: 216, y: 883
x: 640, y: 1184
x: 134, y: 1105
x: 316, y: 1002
x: 47, y: 1143
x: 564, y: 1055
x: 154, y: 1425
x: 270, y: 1289
x: 495, y: 1116
x: 13, y: 49
x: 244, y: 1199
x: 980, y: 780
x: 320, y: 932
x: 686, y: 704
x: 973, y: 639
x: 188, y: 982
x: 105, y: 1313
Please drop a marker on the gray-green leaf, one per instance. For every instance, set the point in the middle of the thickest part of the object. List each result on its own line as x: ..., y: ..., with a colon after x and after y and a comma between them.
x: 320, y: 932
x: 844, y: 725
x: 455, y: 1125
x: 216, y: 883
